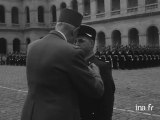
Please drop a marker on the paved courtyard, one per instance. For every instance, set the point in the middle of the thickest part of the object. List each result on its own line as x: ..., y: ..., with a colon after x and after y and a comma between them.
x: 137, y: 94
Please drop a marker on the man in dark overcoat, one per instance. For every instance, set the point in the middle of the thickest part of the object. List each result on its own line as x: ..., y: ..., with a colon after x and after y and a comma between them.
x: 102, y: 108
x: 57, y: 73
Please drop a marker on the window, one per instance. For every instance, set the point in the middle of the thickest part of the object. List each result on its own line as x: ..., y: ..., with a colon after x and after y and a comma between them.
x: 54, y: 13
x: 15, y: 16
x: 2, y: 14
x: 74, y: 5
x: 86, y: 7
x: 115, y: 5
x: 40, y: 14
x: 63, y: 5
x: 150, y: 2
x: 16, y: 45
x: 27, y: 15
x: 100, y: 6
x: 132, y: 3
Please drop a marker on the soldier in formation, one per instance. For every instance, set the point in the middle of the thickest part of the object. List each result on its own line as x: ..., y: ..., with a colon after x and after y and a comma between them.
x: 131, y: 57
x: 14, y: 58
x: 122, y: 57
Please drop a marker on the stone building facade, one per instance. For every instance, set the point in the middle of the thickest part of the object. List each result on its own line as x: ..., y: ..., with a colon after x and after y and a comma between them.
x: 117, y: 22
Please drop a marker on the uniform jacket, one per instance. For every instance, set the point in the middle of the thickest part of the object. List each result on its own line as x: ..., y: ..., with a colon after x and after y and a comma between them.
x: 56, y: 73
x: 102, y: 107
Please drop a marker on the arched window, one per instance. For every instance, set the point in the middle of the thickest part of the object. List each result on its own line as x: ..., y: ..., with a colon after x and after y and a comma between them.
x: 40, y: 14
x: 133, y: 37
x: 87, y: 10
x: 15, y: 15
x: 27, y: 15
x: 54, y: 13
x: 101, y: 41
x: 16, y: 45
x: 2, y: 14
x: 3, y: 46
x: 28, y: 41
x: 152, y: 36
x: 63, y: 5
x: 74, y: 5
x: 100, y: 6
x: 116, y: 38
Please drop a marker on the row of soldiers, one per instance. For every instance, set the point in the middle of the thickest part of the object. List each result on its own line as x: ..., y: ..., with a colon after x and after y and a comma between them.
x: 131, y: 57
x: 14, y: 58
x: 121, y: 57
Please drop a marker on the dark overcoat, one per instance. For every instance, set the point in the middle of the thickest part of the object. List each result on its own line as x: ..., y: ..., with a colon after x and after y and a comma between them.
x: 99, y: 109
x: 56, y: 73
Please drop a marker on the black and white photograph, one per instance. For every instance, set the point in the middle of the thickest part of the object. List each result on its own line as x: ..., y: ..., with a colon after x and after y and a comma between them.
x: 79, y: 59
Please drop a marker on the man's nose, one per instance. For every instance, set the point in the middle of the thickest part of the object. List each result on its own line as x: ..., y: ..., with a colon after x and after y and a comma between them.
x: 76, y: 43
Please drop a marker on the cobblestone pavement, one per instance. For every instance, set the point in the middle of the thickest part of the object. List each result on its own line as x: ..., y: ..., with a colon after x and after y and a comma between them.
x: 139, y: 88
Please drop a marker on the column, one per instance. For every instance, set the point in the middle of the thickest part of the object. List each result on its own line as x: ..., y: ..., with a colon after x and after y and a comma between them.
x: 33, y: 13
x: 46, y: 17
x: 8, y: 18
x: 107, y: 5
x: 124, y: 40
x: 142, y: 39
x: 158, y: 4
x: 141, y: 6
x: 80, y: 6
x: 22, y: 16
x: 108, y: 41
x: 93, y: 8
x: 47, y: 14
x: 33, y: 17
x: 9, y: 47
x: 159, y: 39
x: 123, y: 7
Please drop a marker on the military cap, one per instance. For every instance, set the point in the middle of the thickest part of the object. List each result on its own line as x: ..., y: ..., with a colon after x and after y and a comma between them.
x: 85, y: 30
x: 71, y: 17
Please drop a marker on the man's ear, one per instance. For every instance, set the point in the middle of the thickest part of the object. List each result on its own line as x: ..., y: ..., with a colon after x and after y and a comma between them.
x: 92, y: 42
x: 58, y: 25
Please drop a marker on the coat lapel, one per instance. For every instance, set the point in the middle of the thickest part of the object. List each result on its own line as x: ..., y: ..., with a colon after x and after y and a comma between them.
x: 90, y: 60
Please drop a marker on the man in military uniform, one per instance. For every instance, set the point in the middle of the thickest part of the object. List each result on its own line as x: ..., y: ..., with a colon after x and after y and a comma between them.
x: 57, y: 73
x: 102, y: 108
x: 115, y: 58
x: 122, y: 60
x: 129, y: 59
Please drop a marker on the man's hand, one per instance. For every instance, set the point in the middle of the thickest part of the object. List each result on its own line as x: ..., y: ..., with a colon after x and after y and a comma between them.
x: 96, y: 73
x: 94, y: 69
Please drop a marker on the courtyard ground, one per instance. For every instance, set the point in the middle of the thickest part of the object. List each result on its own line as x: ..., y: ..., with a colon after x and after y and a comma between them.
x: 137, y: 94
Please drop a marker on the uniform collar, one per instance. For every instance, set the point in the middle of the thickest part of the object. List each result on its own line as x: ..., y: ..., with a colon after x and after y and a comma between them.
x: 58, y: 33
x: 63, y: 35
